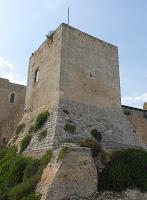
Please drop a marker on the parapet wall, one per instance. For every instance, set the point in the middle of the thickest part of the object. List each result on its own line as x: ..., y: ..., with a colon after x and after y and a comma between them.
x: 138, y: 119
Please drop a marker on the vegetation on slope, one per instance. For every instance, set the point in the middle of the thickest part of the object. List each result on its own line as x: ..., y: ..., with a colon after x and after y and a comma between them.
x: 126, y: 169
x: 19, y: 175
x: 69, y: 127
x: 19, y: 128
x: 96, y: 134
x: 25, y: 142
x: 41, y: 119
x: 92, y: 144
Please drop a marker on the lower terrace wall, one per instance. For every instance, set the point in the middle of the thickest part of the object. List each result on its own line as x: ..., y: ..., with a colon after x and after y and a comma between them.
x: 116, y: 130
x: 138, y: 119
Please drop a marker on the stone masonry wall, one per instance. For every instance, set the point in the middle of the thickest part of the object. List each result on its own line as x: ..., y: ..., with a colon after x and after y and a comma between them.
x: 78, y: 73
x: 73, y: 175
x: 10, y: 112
x: 138, y: 119
x: 116, y: 130
x: 89, y: 70
x: 47, y: 61
x: 36, y: 147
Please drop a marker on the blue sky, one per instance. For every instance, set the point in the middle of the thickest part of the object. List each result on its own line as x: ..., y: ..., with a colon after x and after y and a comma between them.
x: 24, y: 24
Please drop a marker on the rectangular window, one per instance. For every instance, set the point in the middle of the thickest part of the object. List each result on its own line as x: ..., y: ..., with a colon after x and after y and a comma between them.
x: 36, y: 76
x: 12, y: 97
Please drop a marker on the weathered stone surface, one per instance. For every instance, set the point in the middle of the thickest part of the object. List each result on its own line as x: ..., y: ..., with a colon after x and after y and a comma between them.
x: 78, y: 74
x: 10, y: 112
x: 74, y: 175
x: 138, y: 120
x: 116, y: 130
x: 127, y: 195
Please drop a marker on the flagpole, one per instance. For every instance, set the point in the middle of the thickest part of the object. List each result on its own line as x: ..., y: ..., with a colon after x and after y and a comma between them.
x: 68, y: 15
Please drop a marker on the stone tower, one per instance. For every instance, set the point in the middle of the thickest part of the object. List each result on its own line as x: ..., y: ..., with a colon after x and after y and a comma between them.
x: 76, y: 77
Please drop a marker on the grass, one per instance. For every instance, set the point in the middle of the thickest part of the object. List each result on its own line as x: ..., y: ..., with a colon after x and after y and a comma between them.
x: 20, y: 128
x: 127, y: 169
x: 42, y: 135
x: 62, y: 153
x: 31, y: 129
x: 25, y: 142
x: 97, y: 135
x: 41, y: 119
x: 69, y: 127
x: 19, y: 175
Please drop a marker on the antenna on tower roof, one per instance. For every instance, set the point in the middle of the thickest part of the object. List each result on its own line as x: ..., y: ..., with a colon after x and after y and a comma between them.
x: 68, y: 16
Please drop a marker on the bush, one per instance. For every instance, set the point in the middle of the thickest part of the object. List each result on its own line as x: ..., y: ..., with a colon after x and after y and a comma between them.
x: 92, y: 144
x: 46, y: 158
x: 22, y: 189
x: 63, y: 152
x: 66, y: 111
x: 19, y: 175
x: 41, y: 119
x: 31, y: 168
x: 31, y: 129
x: 42, y: 135
x: 20, y: 128
x: 25, y: 142
x: 126, y: 170
x: 97, y: 135
x: 70, y: 127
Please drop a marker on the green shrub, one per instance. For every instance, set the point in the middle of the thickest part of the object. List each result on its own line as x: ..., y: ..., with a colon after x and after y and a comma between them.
x: 22, y: 189
x: 25, y: 142
x: 19, y: 175
x: 126, y: 170
x: 31, y: 168
x: 92, y: 144
x: 20, y: 128
x: 31, y: 197
x: 46, y: 158
x: 42, y: 135
x: 63, y: 152
x: 41, y: 119
x: 97, y: 135
x: 70, y: 127
x: 66, y: 111
x: 31, y: 129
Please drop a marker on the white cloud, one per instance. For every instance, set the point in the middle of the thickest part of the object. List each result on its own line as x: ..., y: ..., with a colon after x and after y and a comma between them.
x: 7, y: 70
x: 136, y: 100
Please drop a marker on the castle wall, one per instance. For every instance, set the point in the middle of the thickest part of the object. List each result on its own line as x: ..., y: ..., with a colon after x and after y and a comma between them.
x: 138, y: 119
x: 12, y: 100
x: 44, y: 94
x: 47, y: 61
x: 90, y: 92
x: 89, y: 70
x: 78, y: 83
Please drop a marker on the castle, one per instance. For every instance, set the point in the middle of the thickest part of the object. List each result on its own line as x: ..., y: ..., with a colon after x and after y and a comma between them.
x: 76, y: 72
x: 75, y: 77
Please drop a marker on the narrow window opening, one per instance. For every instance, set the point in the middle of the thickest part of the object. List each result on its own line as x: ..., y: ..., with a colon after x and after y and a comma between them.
x: 36, y: 76
x: 3, y: 141
x: 91, y: 74
x: 12, y: 98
